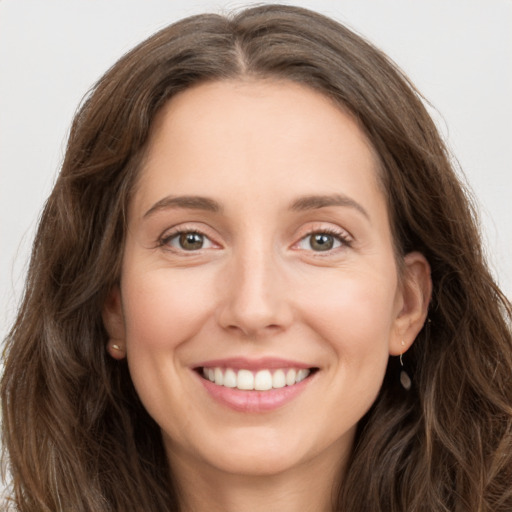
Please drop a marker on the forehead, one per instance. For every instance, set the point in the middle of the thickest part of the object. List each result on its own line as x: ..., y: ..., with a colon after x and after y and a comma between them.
x: 260, y: 133
x: 254, y: 103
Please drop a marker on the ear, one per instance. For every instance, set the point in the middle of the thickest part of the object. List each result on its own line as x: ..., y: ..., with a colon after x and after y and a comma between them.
x: 113, y: 319
x: 416, y: 291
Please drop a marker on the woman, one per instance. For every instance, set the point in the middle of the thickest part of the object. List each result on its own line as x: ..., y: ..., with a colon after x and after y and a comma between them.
x: 258, y: 284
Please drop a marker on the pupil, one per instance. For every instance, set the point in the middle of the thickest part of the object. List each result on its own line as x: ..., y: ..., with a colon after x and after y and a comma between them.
x: 191, y: 241
x: 322, y: 242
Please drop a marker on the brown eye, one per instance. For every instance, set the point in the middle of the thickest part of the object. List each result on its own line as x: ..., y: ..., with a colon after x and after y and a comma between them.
x: 191, y: 241
x: 187, y: 241
x: 321, y: 241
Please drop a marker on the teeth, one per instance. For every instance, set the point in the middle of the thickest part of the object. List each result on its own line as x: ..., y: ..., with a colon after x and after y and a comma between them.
x: 261, y: 380
x: 278, y: 379
x: 301, y: 375
x: 230, y: 379
x: 245, y: 380
x: 290, y: 377
x: 219, y: 377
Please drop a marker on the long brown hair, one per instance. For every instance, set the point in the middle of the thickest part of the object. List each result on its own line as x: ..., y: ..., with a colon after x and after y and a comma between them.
x: 76, y: 435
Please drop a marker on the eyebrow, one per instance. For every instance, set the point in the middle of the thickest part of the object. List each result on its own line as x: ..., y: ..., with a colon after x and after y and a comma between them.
x: 189, y: 202
x: 314, y: 202
x: 304, y: 203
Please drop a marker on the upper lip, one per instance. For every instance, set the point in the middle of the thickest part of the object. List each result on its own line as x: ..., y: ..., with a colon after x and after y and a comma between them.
x: 263, y: 363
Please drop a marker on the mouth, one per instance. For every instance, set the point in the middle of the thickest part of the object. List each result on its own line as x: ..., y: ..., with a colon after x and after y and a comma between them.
x: 264, y: 379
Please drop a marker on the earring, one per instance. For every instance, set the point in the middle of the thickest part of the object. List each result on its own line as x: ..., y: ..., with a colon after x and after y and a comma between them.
x: 117, y: 351
x: 405, y: 380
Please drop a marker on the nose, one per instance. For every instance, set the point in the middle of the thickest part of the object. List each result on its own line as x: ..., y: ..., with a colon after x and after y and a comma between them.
x: 254, y: 298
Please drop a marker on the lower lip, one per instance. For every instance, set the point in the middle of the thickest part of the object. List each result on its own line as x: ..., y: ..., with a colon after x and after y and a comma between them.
x: 254, y: 401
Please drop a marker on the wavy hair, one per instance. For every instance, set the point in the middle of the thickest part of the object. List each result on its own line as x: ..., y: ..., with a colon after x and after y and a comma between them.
x: 75, y: 433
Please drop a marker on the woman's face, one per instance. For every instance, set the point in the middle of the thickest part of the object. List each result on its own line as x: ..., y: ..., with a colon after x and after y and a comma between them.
x: 259, y: 253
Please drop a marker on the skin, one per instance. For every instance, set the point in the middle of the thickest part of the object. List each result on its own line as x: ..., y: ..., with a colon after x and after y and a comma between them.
x: 258, y: 287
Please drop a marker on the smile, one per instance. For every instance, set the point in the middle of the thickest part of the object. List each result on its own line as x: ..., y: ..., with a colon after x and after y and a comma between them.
x: 261, y: 380
x: 255, y: 385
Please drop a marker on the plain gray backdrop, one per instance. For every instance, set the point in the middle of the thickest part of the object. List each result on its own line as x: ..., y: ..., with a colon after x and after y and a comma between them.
x: 458, y: 52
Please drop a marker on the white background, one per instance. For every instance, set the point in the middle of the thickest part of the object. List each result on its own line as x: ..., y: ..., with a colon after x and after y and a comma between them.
x: 458, y: 52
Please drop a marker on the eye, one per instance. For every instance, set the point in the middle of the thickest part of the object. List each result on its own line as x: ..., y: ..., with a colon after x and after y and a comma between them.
x: 187, y: 241
x: 322, y: 241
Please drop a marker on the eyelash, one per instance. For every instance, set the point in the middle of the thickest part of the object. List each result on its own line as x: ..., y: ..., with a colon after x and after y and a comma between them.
x: 341, y: 236
x: 165, y: 239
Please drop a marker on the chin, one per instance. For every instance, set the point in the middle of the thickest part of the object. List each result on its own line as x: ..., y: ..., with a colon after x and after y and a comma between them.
x: 255, y: 451
x: 256, y: 462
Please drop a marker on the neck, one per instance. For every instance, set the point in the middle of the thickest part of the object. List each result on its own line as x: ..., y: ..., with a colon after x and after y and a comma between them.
x: 309, y: 487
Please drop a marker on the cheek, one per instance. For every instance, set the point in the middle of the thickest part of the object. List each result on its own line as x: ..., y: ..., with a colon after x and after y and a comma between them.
x: 162, y: 308
x: 354, y: 312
